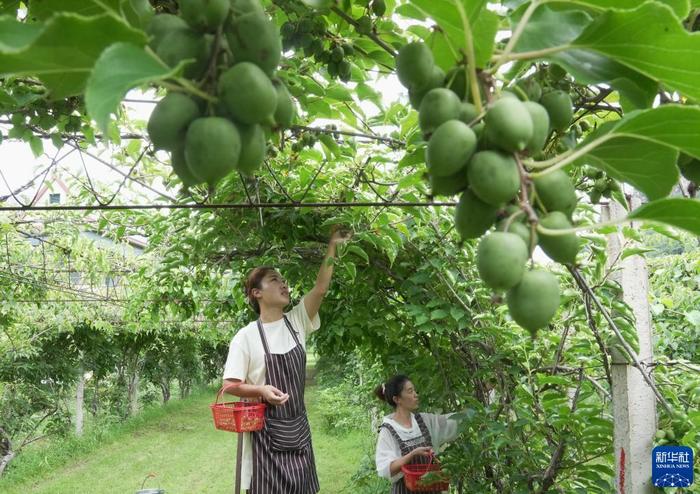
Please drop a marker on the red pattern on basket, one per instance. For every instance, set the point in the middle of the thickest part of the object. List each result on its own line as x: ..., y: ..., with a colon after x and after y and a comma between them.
x: 237, y: 416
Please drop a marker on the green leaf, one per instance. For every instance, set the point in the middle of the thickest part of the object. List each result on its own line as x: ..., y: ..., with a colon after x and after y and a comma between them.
x: 677, y: 212
x: 44, y: 9
x: 14, y: 34
x: 484, y: 24
x: 640, y: 149
x: 63, y: 54
x: 650, y: 39
x: 121, y: 67
x: 358, y: 251
x: 37, y: 146
x: 680, y: 7
x: 647, y: 166
x: 549, y: 28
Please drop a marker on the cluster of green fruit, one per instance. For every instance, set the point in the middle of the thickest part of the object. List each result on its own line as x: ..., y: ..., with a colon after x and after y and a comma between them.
x: 309, y: 34
x: 304, y: 139
x: 678, y: 426
x: 479, y: 157
x: 232, y: 50
x: 601, y: 184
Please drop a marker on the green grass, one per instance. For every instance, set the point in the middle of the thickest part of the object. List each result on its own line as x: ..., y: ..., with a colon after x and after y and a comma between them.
x: 180, y: 445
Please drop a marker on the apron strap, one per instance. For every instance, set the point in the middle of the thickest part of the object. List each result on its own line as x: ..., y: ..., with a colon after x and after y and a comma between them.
x: 264, y: 340
x: 394, y: 434
x: 424, y: 428
x: 291, y: 329
x: 262, y: 337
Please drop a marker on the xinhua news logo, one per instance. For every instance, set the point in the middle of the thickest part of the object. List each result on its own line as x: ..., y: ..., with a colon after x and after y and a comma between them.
x: 672, y: 466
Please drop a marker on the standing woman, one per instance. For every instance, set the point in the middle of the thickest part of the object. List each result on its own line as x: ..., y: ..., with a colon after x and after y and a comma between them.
x: 406, y: 437
x: 268, y: 360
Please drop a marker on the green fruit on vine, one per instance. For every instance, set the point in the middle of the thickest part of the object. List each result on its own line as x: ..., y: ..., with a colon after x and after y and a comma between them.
x: 437, y: 107
x: 500, y: 259
x: 561, y: 248
x: 467, y: 112
x: 560, y: 108
x: 660, y: 434
x: 253, y: 148
x: 364, y: 25
x: 478, y: 129
x: 449, y: 148
x: 179, y: 164
x: 204, y: 15
x: 248, y: 93
x: 531, y: 88
x: 169, y: 120
x: 253, y: 37
x: 493, y: 176
x: 240, y: 7
x: 450, y: 185
x: 348, y: 50
x: 378, y: 7
x: 285, y: 111
x: 556, y: 72
x: 556, y: 192
x: 533, y: 302
x: 473, y: 216
x: 601, y: 184
x: 185, y: 44
x: 212, y: 148
x: 333, y: 69
x: 436, y: 81
x: 337, y: 54
x: 520, y: 229
x: 414, y: 65
x: 594, y: 196
x: 540, y: 126
x: 162, y: 24
x: 508, y: 124
x: 344, y: 70
x: 456, y: 81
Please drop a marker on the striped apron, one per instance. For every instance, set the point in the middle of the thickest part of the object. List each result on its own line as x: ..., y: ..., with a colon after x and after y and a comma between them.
x: 424, y: 440
x: 283, y: 457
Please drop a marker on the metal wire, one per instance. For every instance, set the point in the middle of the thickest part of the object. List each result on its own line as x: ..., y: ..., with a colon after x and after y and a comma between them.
x: 270, y: 205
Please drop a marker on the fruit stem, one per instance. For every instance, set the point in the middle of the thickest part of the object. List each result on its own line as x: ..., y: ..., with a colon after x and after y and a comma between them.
x: 470, y: 67
x: 191, y: 88
x: 511, y: 218
x: 526, y: 55
x: 564, y: 159
x: 582, y: 228
x: 516, y: 34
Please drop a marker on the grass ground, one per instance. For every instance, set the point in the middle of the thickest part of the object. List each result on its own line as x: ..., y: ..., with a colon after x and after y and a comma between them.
x: 179, y: 444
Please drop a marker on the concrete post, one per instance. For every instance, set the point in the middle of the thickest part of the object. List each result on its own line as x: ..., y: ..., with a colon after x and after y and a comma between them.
x: 634, y: 403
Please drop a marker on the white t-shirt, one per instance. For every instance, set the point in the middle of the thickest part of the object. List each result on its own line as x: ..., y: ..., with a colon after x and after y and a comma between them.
x: 246, y: 360
x: 442, y: 429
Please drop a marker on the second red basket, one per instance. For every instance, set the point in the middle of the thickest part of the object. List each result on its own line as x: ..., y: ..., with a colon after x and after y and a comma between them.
x: 237, y: 416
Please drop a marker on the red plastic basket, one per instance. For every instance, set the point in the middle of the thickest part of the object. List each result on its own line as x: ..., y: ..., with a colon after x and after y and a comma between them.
x: 237, y: 416
x: 412, y: 475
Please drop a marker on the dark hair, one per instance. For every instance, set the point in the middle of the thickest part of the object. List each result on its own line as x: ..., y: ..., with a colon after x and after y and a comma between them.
x: 391, y: 389
x: 254, y: 280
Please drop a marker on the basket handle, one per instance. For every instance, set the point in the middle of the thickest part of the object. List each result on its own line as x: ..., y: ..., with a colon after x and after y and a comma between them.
x: 224, y: 388
x: 149, y: 476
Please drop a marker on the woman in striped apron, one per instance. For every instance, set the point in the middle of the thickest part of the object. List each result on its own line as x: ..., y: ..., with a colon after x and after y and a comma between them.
x: 267, y: 359
x: 405, y: 437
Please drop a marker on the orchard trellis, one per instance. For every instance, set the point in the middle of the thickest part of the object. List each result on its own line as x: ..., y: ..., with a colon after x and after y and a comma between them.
x: 409, y: 286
